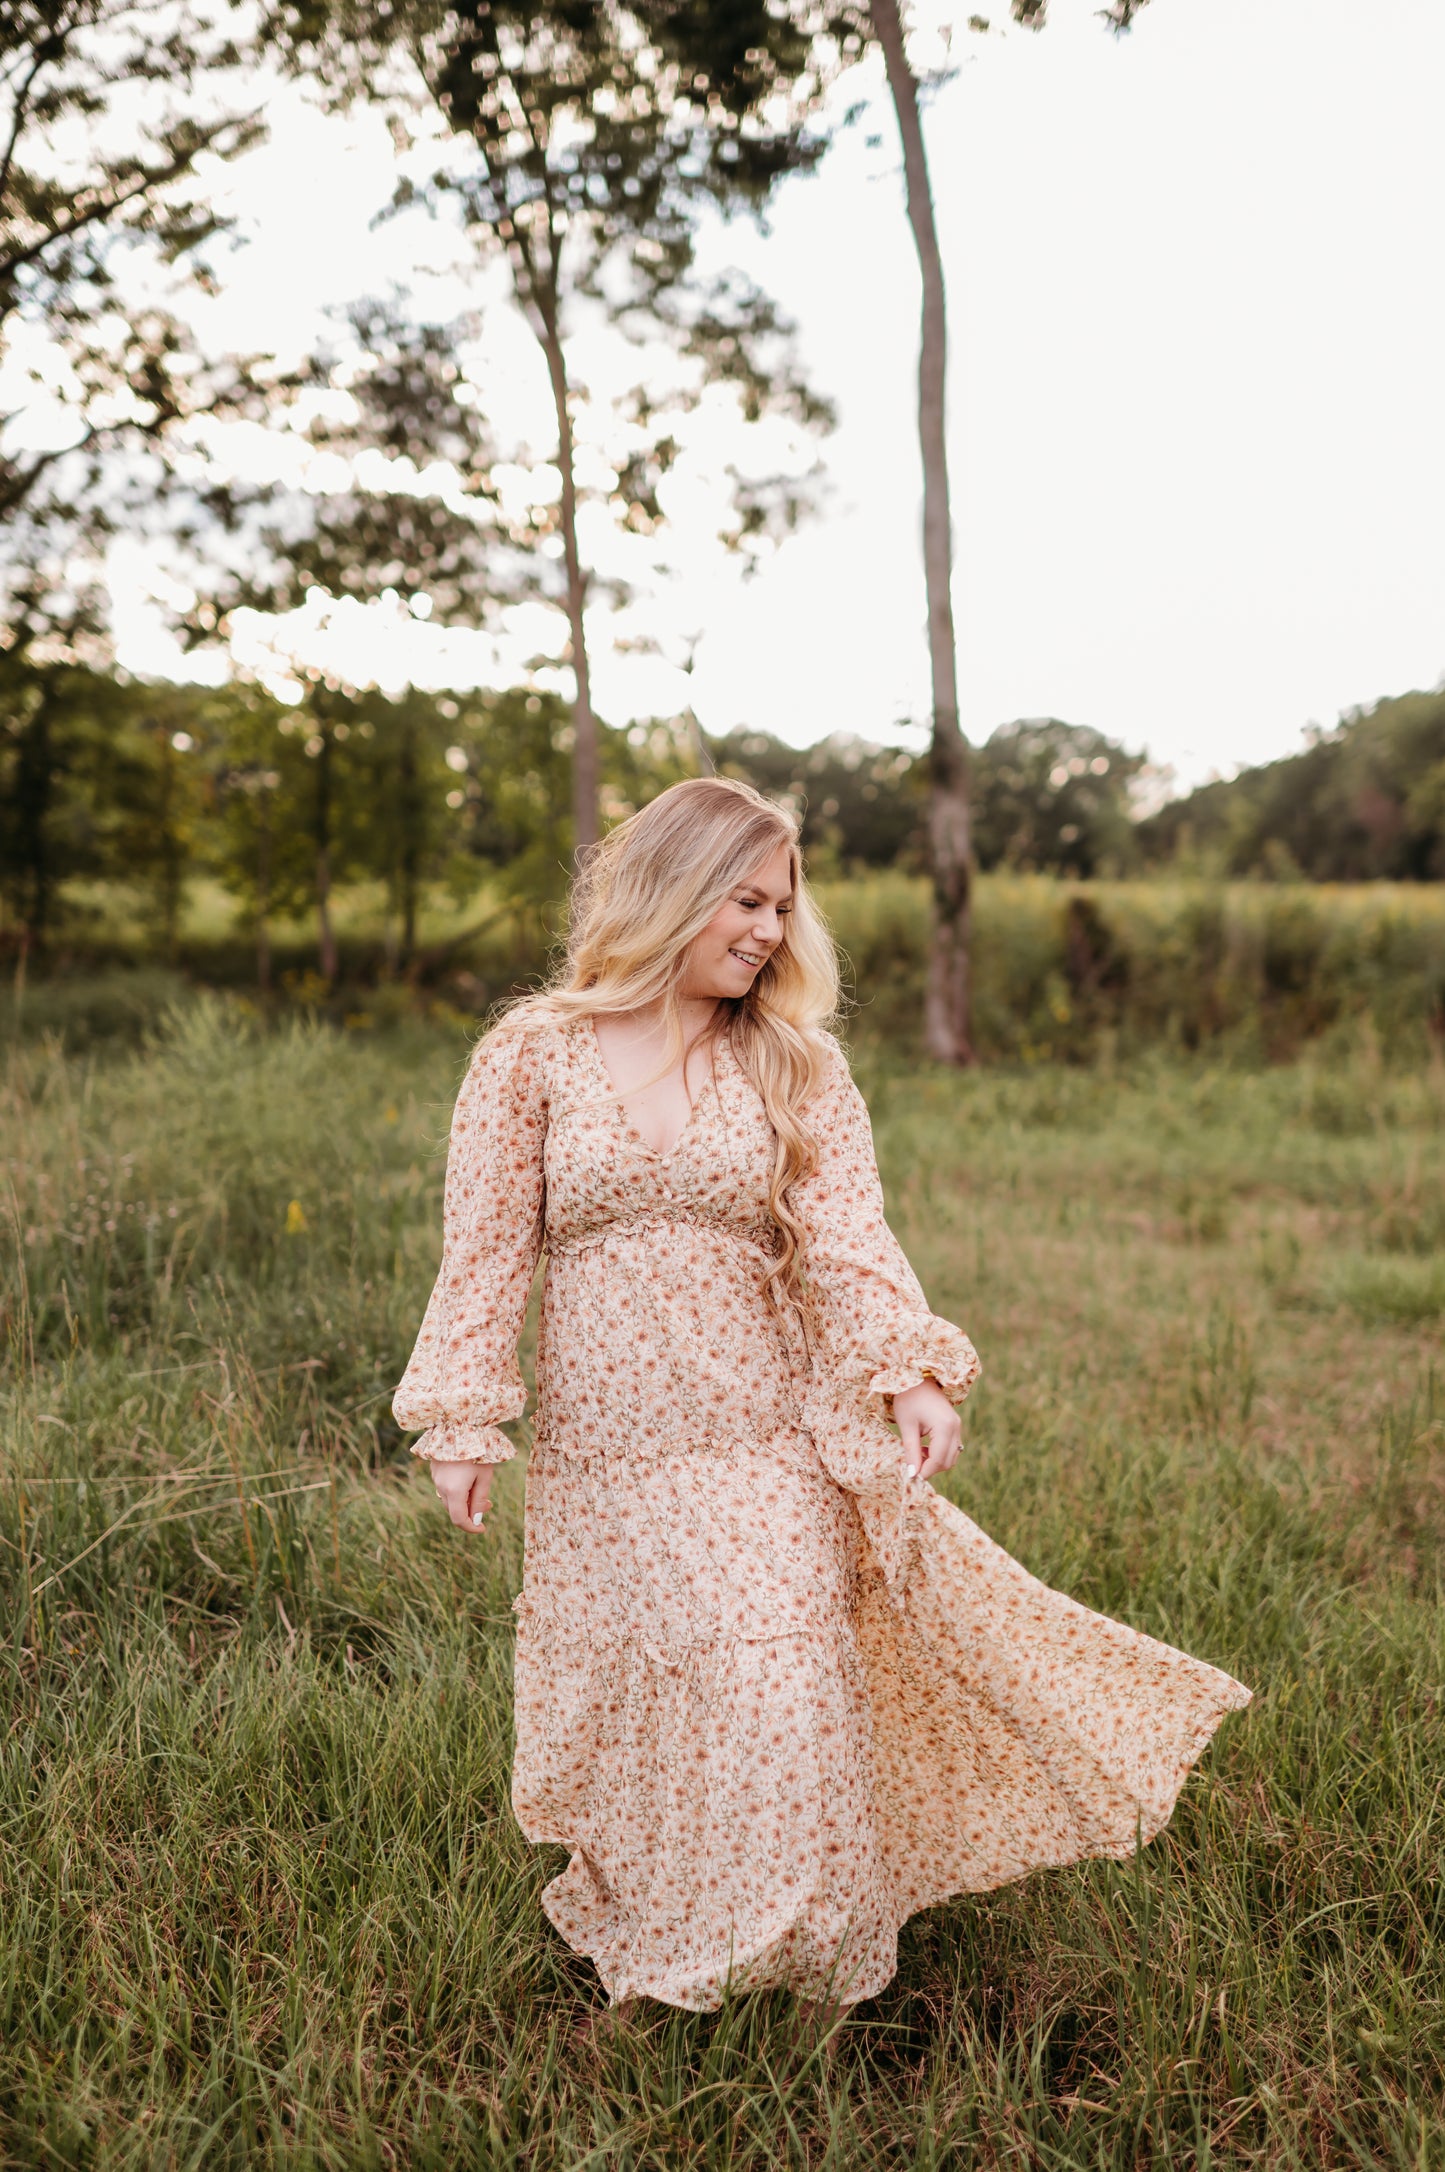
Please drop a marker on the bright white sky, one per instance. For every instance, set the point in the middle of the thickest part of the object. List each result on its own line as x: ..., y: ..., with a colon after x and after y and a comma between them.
x: 1197, y: 427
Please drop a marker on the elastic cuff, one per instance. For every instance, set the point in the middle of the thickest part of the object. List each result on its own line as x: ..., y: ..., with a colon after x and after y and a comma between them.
x: 953, y: 1367
x: 463, y: 1444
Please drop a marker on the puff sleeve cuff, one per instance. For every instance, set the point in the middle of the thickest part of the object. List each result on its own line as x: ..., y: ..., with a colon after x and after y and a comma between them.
x: 463, y: 1444
x: 943, y: 1354
x: 463, y: 1378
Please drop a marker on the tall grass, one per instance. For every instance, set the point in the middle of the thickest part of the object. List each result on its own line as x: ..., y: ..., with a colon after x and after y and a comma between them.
x: 261, y: 1898
x: 1063, y: 971
x: 1070, y: 970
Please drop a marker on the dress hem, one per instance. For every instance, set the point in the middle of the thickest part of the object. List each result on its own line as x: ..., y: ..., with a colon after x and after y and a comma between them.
x: 1233, y: 1698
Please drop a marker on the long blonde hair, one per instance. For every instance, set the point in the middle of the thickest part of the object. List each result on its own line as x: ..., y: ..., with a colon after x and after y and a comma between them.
x: 644, y: 894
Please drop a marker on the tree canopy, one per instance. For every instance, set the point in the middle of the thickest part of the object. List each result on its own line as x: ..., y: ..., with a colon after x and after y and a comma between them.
x: 111, y: 114
x: 1362, y: 802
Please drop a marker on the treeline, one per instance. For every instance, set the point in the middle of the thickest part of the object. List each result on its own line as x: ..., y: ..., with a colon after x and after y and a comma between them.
x: 110, y: 781
x: 1362, y: 803
x: 147, y: 787
x: 105, y: 780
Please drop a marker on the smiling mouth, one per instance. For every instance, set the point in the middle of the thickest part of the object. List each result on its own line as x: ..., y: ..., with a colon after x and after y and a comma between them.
x: 746, y: 958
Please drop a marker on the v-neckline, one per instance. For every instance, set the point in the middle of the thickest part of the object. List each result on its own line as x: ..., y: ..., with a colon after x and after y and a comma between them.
x: 644, y: 1145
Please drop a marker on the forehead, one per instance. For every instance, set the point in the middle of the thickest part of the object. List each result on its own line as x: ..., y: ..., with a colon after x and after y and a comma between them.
x: 773, y: 875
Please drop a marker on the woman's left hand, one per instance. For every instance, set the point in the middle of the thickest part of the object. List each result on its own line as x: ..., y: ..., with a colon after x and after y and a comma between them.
x: 925, y: 1413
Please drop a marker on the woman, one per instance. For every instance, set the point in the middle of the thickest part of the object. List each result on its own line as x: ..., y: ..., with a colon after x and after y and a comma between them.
x: 773, y: 1692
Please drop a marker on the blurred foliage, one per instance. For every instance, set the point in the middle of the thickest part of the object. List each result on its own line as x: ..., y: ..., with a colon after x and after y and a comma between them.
x: 1363, y: 802
x: 860, y: 805
x: 1047, y: 796
x: 152, y: 827
x: 1053, y: 795
x: 105, y: 780
x: 116, y: 116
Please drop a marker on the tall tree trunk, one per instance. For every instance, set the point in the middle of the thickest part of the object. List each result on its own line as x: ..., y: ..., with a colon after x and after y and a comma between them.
x: 947, y: 1002
x: 263, y: 892
x: 585, y: 821
x: 34, y: 795
x: 168, y: 879
x: 410, y: 862
x: 326, y: 938
x: 325, y: 933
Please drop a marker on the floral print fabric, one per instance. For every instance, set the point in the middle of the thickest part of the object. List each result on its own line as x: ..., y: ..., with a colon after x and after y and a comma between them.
x: 772, y: 1697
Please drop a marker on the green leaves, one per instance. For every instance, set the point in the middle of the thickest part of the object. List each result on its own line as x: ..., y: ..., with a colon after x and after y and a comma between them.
x: 107, y: 110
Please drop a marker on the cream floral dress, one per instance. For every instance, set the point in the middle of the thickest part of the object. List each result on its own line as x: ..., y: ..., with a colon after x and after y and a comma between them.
x: 773, y: 1698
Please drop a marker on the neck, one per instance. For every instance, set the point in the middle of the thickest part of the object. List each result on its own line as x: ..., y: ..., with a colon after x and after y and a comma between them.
x: 698, y: 1013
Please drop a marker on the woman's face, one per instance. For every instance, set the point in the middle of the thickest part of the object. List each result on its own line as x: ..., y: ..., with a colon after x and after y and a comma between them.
x: 743, y: 934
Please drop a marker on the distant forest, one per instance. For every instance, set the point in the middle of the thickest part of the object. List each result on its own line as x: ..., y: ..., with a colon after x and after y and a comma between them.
x: 1362, y: 803
x: 104, y: 779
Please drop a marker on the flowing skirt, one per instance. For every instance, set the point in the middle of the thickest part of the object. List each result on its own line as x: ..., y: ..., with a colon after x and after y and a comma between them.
x: 774, y: 1701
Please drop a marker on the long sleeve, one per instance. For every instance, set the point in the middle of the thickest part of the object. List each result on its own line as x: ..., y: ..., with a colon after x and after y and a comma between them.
x: 869, y: 1311
x: 463, y: 1377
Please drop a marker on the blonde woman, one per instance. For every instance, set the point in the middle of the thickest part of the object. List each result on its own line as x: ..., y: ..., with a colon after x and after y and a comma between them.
x: 772, y: 1691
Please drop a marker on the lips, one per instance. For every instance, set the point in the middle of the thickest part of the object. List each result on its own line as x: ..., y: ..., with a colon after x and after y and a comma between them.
x: 744, y: 958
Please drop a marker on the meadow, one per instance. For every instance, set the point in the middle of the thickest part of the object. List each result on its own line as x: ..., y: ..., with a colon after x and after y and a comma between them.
x: 261, y: 1899
x: 1064, y: 970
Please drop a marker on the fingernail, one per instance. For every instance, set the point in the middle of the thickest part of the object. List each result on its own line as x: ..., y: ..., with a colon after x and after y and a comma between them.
x: 476, y: 1515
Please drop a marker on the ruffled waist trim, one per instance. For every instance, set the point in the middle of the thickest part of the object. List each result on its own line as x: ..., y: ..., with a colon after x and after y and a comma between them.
x: 648, y: 1443
x: 761, y: 1239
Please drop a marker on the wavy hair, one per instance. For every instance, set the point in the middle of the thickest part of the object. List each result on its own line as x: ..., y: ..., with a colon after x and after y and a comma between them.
x: 644, y: 894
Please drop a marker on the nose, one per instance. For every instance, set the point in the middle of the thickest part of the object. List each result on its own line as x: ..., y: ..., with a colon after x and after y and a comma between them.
x: 767, y: 928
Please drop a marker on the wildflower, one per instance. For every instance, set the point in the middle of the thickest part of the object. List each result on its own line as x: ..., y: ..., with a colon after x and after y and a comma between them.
x: 295, y: 1218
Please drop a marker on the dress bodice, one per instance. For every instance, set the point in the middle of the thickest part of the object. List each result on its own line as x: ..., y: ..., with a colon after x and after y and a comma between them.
x: 657, y: 1314
x: 602, y: 1178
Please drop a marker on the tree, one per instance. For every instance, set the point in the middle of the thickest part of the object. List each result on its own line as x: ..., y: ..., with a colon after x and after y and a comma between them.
x: 253, y: 842
x: 593, y: 134
x: 100, y: 778
x: 859, y: 805
x: 345, y: 784
x: 948, y: 998
x: 110, y: 111
x: 1052, y: 796
x: 1363, y: 802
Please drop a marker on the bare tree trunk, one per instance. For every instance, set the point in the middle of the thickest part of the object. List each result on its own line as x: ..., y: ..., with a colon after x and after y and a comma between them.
x: 947, y: 1003
x: 410, y: 861
x: 325, y: 933
x: 585, y: 821
x: 326, y: 936
x: 169, y: 873
x: 34, y: 793
x: 263, y: 893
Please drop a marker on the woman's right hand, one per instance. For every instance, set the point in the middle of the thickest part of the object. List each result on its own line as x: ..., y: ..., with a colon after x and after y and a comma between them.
x: 465, y: 1490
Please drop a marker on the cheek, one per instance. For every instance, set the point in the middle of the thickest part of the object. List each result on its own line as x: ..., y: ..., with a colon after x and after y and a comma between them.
x: 723, y: 930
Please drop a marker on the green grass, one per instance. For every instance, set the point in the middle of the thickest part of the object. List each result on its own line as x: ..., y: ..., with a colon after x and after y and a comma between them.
x: 1064, y: 971
x: 261, y: 1898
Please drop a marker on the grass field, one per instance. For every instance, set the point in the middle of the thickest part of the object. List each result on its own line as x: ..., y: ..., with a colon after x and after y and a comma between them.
x: 1063, y: 970
x: 261, y: 1899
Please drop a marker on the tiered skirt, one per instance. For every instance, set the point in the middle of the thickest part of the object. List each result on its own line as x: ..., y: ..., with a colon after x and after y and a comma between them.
x: 774, y: 1700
